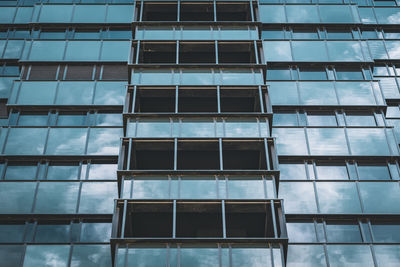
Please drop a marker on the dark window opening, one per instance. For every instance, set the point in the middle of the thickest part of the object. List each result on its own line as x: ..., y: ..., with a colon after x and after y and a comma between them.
x: 160, y: 12
x: 198, y: 220
x: 155, y: 100
x: 149, y: 220
x: 244, y: 155
x: 196, y: 12
x: 233, y: 12
x: 152, y: 154
x: 115, y: 72
x: 197, y: 53
x: 197, y: 100
x: 43, y: 72
x: 194, y: 155
x: 3, y: 109
x: 79, y: 72
x: 236, y: 100
x: 236, y: 53
x: 157, y: 53
x: 249, y: 220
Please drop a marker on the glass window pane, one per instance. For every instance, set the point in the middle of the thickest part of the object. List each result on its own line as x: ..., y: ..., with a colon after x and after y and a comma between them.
x: 344, y: 51
x: 278, y: 12
x: 292, y: 171
x: 201, y: 257
x: 110, y: 93
x: 11, y: 233
x: 11, y: 256
x: 52, y: 233
x: 83, y: 51
x: 103, y: 171
x: 47, y: 51
x: 197, y: 33
x: 306, y: 255
x: 191, y: 77
x: 108, y: 119
x: 27, y: 172
x: 57, y: 197
x: 387, y: 255
x: 360, y: 120
x: 379, y: 197
x: 309, y: 51
x: 349, y: 255
x: 328, y: 141
x: 285, y: 119
x: 98, y: 197
x: 343, y: 233
x: 89, y: 13
x: 16, y: 197
x: 338, y: 197
x: 36, y: 93
x: 197, y: 128
x: 332, y: 172
x: 299, y: 197
x: 283, y: 93
x: 95, y: 232
x: 115, y: 51
x: 373, y: 172
x: 66, y: 141
x: 103, y: 141
x: 343, y: 74
x: 241, y: 128
x: 152, y: 187
x: 18, y: 144
x: 151, y: 128
x: 301, y: 232
x: 198, y: 188
x: 152, y: 256
x: 75, y: 93
x: 62, y: 171
x: 251, y: 257
x: 246, y: 188
x: 302, y: 14
x: 317, y: 93
x: 277, y: 51
x: 55, y: 13
x: 386, y: 231
x: 120, y: 13
x: 46, y: 255
x: 321, y: 119
x: 32, y: 120
x: 290, y: 141
x: 335, y: 13
x: 91, y: 256
x: 368, y: 142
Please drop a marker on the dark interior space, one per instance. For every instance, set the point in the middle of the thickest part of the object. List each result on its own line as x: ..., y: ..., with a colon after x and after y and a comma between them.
x: 244, y: 155
x: 233, y: 12
x: 149, y: 220
x: 152, y: 154
x: 197, y: 100
x: 236, y: 53
x: 155, y: 100
x: 197, y: 53
x: 198, y: 155
x: 157, y: 53
x: 114, y: 72
x: 198, y: 220
x: 240, y: 100
x: 43, y: 72
x: 79, y: 72
x: 160, y: 12
x: 249, y: 220
x: 196, y: 11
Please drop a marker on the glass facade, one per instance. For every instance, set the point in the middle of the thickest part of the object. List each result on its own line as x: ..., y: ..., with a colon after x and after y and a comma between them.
x: 199, y: 133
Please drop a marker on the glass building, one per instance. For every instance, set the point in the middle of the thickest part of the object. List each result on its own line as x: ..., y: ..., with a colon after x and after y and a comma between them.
x: 199, y: 133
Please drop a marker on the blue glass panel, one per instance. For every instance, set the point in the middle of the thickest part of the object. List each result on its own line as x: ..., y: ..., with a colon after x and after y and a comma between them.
x: 75, y: 93
x: 152, y: 256
x: 393, y: 48
x: 317, y: 93
x: 97, y: 197
x: 246, y: 188
x: 66, y: 141
x: 115, y: 51
x: 367, y: 15
x: 16, y: 197
x: 283, y: 93
x: 338, y: 197
x: 91, y: 256
x: 349, y: 255
x: 277, y: 51
x: 386, y: 231
x: 335, y: 14
x: 343, y: 233
x: 306, y: 255
x: 302, y: 14
x: 355, y: 93
x: 47, y: 51
x: 387, y: 15
x: 387, y: 255
x: 368, y: 142
x: 299, y: 197
x: 55, y: 13
x: 103, y: 141
x: 52, y: 233
x: 46, y: 256
x: 327, y: 141
x: 12, y: 233
x: 120, y: 14
x: 151, y: 187
x: 57, y: 197
x: 199, y: 257
x: 95, y: 232
x: 35, y: 93
x: 110, y: 93
x: 301, y: 232
x: 252, y: 257
x: 27, y: 172
x: 18, y: 144
x: 83, y: 51
x: 10, y: 255
x: 7, y: 14
x: 198, y: 188
x: 13, y: 49
x: 290, y: 141
x: 89, y: 13
x: 379, y: 197
x: 345, y: 51
x: 272, y: 14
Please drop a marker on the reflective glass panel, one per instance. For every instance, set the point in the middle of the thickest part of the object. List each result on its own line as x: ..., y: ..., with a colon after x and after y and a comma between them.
x: 338, y: 197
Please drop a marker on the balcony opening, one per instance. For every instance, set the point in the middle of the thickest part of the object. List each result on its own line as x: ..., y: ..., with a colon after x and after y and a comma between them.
x: 233, y: 12
x: 244, y: 155
x: 157, y: 53
x: 160, y: 12
x: 236, y: 53
x: 115, y: 72
x: 249, y: 220
x: 197, y: 53
x: 198, y: 220
x: 149, y: 220
x: 79, y: 72
x: 152, y: 154
x: 155, y: 100
x: 198, y: 155
x: 43, y: 72
x: 239, y: 100
x: 197, y: 11
x: 197, y: 100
